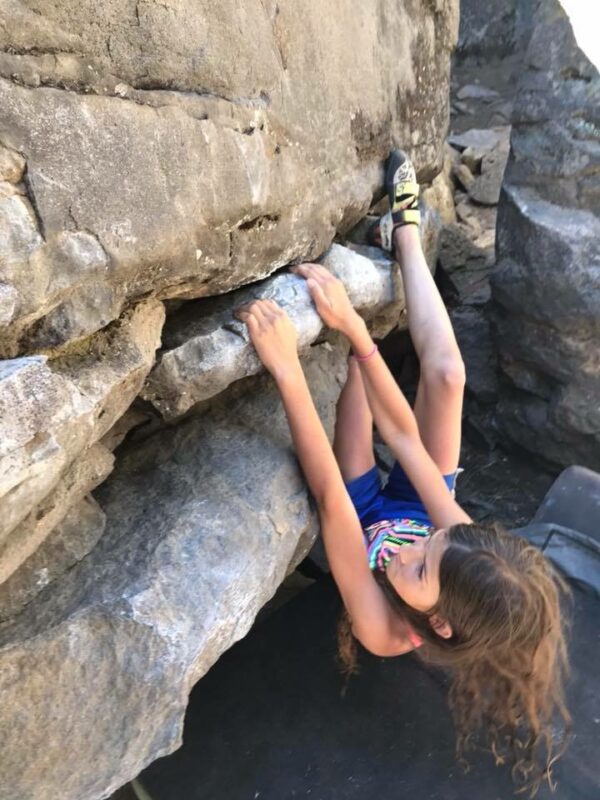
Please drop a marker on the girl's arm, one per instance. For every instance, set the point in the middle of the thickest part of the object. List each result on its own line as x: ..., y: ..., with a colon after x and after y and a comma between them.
x: 391, y: 411
x: 374, y: 624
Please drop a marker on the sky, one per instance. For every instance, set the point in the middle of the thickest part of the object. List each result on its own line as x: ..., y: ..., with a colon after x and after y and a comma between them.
x: 585, y: 19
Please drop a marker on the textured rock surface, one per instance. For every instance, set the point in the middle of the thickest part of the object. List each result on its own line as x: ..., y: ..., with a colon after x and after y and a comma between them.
x: 68, y: 542
x: 202, y: 524
x: 51, y: 411
x: 171, y: 151
x: 184, y: 150
x: 205, y: 348
x: 546, y: 285
x: 494, y: 28
x: 486, y: 186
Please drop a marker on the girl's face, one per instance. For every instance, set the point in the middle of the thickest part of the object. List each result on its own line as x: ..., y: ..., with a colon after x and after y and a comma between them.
x: 415, y: 571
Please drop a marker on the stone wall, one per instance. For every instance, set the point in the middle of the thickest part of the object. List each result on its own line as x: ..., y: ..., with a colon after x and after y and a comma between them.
x: 154, y: 156
x: 546, y: 283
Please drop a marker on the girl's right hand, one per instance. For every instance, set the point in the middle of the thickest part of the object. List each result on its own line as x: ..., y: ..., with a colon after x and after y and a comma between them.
x: 273, y: 335
x: 329, y: 296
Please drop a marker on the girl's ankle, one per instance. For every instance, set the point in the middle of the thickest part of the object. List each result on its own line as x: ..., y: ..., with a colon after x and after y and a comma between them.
x: 406, y: 237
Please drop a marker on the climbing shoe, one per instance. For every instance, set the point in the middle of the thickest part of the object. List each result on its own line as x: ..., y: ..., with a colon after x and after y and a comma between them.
x: 403, y: 193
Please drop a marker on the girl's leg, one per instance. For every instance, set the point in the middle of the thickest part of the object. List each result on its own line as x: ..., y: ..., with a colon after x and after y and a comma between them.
x: 438, y: 405
x: 353, y: 439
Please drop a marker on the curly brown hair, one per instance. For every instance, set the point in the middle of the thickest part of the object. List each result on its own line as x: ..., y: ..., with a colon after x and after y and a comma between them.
x: 507, y: 653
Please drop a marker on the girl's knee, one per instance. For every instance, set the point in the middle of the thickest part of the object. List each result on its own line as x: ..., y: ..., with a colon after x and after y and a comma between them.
x: 445, y: 374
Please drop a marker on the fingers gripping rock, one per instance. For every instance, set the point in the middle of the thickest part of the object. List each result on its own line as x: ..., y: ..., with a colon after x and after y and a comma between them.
x: 206, y: 348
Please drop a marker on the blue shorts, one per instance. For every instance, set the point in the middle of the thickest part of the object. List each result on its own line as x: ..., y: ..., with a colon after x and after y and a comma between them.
x: 396, y: 500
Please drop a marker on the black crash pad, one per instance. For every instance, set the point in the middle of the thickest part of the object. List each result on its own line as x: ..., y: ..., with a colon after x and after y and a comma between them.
x: 573, y: 501
x: 269, y: 721
x: 567, y: 526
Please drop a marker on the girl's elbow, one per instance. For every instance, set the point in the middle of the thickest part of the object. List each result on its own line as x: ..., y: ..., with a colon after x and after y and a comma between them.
x: 384, y: 648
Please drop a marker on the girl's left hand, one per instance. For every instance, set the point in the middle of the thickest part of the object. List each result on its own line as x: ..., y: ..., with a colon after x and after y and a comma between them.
x: 329, y: 296
x: 272, y: 334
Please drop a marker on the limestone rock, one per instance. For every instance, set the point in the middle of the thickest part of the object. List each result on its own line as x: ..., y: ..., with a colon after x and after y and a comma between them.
x: 473, y: 157
x: 12, y: 165
x: 9, y: 300
x: 466, y: 215
x: 206, y: 348
x: 463, y: 175
x: 52, y: 410
x: 480, y: 138
x: 485, y: 189
x: 68, y: 542
x: 457, y: 250
x: 79, y: 478
x: 202, y: 524
x: 473, y: 91
x: 194, y: 148
x: 438, y: 198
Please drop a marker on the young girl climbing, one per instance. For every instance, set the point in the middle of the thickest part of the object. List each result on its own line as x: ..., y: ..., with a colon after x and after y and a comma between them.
x: 412, y: 568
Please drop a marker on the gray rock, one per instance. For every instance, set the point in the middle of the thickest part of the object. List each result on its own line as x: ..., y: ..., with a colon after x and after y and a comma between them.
x: 197, y: 172
x: 472, y: 330
x: 485, y: 189
x: 473, y: 157
x: 546, y: 285
x: 206, y: 348
x: 480, y: 138
x: 202, y: 524
x: 463, y: 175
x: 458, y: 107
x: 9, y: 301
x: 12, y: 165
x: 556, y: 141
x: 466, y: 214
x: 495, y: 28
x: 457, y: 250
x: 474, y: 91
x: 22, y: 542
x: 68, y: 542
x: 52, y: 410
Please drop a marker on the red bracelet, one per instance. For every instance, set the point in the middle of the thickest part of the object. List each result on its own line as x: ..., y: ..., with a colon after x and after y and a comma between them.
x: 368, y: 356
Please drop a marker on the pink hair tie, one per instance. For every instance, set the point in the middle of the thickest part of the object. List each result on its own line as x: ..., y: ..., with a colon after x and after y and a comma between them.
x: 368, y: 356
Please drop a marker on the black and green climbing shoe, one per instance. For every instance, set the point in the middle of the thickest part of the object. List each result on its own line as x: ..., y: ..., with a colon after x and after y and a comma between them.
x: 403, y: 193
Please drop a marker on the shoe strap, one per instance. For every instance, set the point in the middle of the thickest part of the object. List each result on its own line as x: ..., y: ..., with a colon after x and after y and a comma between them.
x: 409, y: 216
x: 405, y: 190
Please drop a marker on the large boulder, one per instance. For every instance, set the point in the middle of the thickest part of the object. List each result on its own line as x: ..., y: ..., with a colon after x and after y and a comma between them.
x: 495, y: 28
x: 546, y: 284
x: 202, y: 524
x: 135, y: 598
x: 172, y: 152
x: 184, y: 150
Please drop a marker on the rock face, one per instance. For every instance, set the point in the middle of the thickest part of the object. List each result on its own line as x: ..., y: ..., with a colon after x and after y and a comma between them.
x: 206, y: 349
x: 52, y: 411
x: 494, y: 28
x: 546, y: 285
x: 168, y: 159
x: 186, y: 150
x: 119, y: 605
x: 202, y: 524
